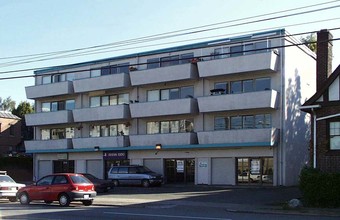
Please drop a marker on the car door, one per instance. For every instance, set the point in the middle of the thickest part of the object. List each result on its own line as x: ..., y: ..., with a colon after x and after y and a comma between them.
x: 133, y: 176
x: 123, y: 174
x: 41, y: 189
x: 59, y: 184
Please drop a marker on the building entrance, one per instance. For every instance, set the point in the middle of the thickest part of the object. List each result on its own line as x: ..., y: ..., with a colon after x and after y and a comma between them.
x: 255, y: 170
x: 179, y: 170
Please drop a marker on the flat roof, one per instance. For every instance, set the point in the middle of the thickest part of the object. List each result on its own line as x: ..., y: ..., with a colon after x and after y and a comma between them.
x: 164, y: 50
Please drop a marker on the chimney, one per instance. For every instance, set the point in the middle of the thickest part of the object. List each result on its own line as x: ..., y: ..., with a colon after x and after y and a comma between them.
x: 324, y: 56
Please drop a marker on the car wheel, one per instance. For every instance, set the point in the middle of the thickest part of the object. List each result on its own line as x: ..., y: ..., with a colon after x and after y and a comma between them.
x: 13, y: 199
x: 64, y: 200
x: 145, y: 183
x: 87, y: 202
x: 115, y: 182
x: 48, y: 201
x: 24, y: 199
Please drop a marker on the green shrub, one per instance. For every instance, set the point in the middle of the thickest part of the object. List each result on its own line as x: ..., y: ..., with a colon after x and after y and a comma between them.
x: 320, y: 189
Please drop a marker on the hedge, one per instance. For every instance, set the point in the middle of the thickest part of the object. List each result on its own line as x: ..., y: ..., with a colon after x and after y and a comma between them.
x: 320, y: 189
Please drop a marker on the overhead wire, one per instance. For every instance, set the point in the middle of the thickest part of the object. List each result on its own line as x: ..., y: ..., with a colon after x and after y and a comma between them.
x: 161, y: 36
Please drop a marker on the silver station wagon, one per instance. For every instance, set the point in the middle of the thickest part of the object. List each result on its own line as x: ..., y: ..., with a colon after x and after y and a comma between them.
x: 134, y: 175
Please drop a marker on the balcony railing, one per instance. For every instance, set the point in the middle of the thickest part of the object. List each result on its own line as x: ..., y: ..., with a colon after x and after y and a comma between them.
x: 52, y: 89
x: 260, y: 62
x: 241, y: 136
x: 48, y: 145
x: 49, y: 118
x: 164, y: 139
x: 252, y: 100
x: 101, y: 142
x: 111, y: 112
x: 160, y: 108
x: 164, y: 74
x: 102, y: 83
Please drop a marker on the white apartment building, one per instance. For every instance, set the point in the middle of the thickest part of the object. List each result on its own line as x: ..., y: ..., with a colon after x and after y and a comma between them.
x: 223, y: 112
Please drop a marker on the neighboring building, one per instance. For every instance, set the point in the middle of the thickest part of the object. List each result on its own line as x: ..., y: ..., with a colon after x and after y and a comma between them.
x: 10, y: 133
x: 221, y: 112
x: 324, y: 107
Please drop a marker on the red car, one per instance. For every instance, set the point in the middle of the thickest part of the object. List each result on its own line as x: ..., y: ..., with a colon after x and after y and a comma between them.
x: 62, y: 187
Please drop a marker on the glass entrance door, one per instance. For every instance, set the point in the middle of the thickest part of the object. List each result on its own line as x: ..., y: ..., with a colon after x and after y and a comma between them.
x: 179, y: 170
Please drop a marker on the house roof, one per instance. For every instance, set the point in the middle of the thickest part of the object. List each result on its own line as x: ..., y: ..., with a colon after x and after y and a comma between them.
x: 324, y: 87
x: 4, y: 114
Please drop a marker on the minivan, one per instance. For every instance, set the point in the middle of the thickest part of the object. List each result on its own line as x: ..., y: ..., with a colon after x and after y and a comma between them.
x: 134, y: 175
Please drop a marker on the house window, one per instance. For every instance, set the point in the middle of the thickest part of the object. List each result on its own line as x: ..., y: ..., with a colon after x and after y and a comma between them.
x: 223, y: 86
x: 235, y: 87
x: 248, y: 85
x: 169, y: 61
x: 187, y: 92
x: 169, y: 126
x: 70, y: 104
x: 46, y: 107
x: 45, y: 134
x: 221, y: 53
x: 152, y: 127
x: 248, y: 121
x: 123, y: 99
x: 58, y: 78
x: 263, y: 121
x: 46, y: 79
x: 153, y: 95
x: 236, y: 122
x: 261, y: 46
x: 113, y: 99
x: 95, y: 73
x: 153, y: 63
x: 95, y: 131
x: 262, y: 84
x: 334, y: 135
x: 221, y: 123
x: 186, y: 58
x: 236, y: 51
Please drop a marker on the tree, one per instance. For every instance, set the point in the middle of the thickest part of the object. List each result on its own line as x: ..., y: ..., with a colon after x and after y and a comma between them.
x: 7, y: 104
x: 23, y: 108
x: 310, y: 41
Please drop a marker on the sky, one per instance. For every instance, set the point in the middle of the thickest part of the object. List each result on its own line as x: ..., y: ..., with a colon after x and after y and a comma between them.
x: 45, y: 26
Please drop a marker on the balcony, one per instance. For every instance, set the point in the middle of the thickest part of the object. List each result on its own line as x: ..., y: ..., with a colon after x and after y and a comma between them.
x: 164, y: 139
x: 265, y: 136
x: 48, y: 145
x: 260, y: 62
x: 102, y: 83
x: 52, y: 89
x: 101, y: 142
x: 164, y: 74
x: 49, y: 118
x: 252, y: 100
x: 112, y: 112
x: 167, y: 107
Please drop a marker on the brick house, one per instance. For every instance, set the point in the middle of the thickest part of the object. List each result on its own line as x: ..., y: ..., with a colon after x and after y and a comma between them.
x: 324, y: 107
x: 10, y: 133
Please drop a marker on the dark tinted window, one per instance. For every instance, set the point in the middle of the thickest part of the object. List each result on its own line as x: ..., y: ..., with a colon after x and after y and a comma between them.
x: 60, y: 180
x: 133, y: 170
x: 45, y: 181
x: 123, y: 170
x: 114, y: 170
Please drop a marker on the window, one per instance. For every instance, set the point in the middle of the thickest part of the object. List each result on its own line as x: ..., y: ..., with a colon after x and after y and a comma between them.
x: 105, y: 71
x: 54, y: 106
x: 174, y: 93
x: 123, y: 99
x: 95, y: 131
x: 334, y: 135
x: 70, y: 104
x: 263, y: 121
x: 235, y: 87
x: 221, y: 123
x: 187, y: 92
x: 186, y: 125
x: 248, y: 48
x: 70, y: 76
x: 58, y: 78
x: 236, y: 51
x: 261, y: 46
x: 123, y: 129
x: 113, y: 130
x: 104, y: 130
x: 123, y: 68
x: 174, y: 126
x: 104, y: 100
x: 45, y: 107
x: 69, y: 132
x: 95, y: 101
x: 169, y: 61
x: 153, y: 95
x: 113, y: 99
x: 165, y: 94
x: 248, y: 121
x: 152, y: 128
x: 95, y: 73
x: 223, y: 86
x: 45, y: 134
x: 236, y: 122
x: 248, y: 85
x: 262, y: 84
x: 57, y: 133
x: 221, y: 53
x: 46, y: 79
x: 165, y: 127
x: 153, y: 63
x: 186, y: 58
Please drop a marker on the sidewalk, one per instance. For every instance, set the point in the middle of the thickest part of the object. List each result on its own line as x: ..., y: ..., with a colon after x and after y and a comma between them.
x: 233, y: 199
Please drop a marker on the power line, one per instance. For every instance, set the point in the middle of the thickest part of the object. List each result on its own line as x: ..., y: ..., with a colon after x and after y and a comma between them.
x: 163, y: 35
x: 205, y: 56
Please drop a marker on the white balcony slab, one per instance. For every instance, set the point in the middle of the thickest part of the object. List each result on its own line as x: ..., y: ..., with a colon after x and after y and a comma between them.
x: 101, y: 142
x: 267, y: 99
x: 264, y: 62
x: 112, y: 112
x: 48, y: 145
x: 49, y: 118
x: 52, y: 89
x: 164, y: 74
x: 102, y: 83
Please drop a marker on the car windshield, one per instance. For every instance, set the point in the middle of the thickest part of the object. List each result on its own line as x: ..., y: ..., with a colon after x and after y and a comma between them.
x: 144, y: 170
x: 6, y: 179
x: 79, y: 179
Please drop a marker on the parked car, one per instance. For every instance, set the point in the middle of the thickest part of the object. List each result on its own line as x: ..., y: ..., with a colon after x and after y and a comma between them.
x: 134, y: 175
x: 62, y: 187
x: 100, y: 185
x: 8, y: 187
